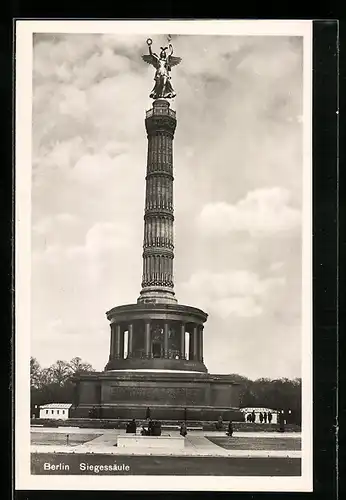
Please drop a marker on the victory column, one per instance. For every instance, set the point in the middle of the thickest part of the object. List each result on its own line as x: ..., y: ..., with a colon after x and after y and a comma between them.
x: 163, y: 365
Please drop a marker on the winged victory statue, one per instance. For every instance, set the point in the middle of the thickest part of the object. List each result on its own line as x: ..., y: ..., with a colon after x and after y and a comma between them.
x: 163, y: 64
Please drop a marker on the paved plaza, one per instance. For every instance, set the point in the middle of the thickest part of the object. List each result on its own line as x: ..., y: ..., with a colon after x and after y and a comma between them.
x: 197, y: 443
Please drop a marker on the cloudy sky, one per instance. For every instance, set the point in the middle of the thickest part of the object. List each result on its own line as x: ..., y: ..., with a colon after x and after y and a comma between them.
x: 237, y: 191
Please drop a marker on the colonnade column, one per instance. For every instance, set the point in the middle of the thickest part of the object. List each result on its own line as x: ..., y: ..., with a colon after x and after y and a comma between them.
x: 182, y: 341
x: 195, y: 342
x: 130, y: 340
x: 201, y: 328
x: 117, y: 341
x: 111, y: 349
x: 165, y: 340
x: 121, y: 342
x: 147, y: 340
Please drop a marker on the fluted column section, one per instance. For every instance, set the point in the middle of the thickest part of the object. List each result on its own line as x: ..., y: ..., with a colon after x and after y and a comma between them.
x: 158, y: 245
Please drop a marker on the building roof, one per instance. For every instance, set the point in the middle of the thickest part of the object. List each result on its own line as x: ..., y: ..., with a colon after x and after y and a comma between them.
x: 52, y: 406
x: 257, y: 410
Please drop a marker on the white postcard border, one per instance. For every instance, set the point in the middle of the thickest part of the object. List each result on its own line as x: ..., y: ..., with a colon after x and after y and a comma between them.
x: 23, y: 158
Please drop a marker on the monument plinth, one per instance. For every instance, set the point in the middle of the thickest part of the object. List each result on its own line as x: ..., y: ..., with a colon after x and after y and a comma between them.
x: 156, y: 345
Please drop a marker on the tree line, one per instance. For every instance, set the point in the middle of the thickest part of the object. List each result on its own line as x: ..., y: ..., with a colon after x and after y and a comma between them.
x: 280, y: 394
x: 54, y: 384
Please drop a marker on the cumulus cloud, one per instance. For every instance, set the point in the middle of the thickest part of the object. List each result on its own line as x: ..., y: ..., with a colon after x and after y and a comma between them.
x: 276, y: 266
x: 243, y: 307
x: 238, y: 98
x: 103, y: 237
x: 54, y: 223
x: 233, y: 293
x: 263, y: 211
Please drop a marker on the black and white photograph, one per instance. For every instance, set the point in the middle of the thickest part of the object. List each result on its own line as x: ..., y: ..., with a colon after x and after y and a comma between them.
x: 163, y: 255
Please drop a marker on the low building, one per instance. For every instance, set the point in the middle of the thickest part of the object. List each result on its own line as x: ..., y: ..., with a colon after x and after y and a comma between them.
x: 257, y: 412
x: 58, y: 411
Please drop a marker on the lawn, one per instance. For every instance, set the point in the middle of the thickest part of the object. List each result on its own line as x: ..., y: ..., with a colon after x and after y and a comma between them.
x: 72, y: 439
x: 256, y: 443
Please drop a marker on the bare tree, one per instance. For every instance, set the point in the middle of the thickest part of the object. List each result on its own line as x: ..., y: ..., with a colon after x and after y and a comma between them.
x: 79, y: 366
x: 61, y: 372
x: 35, y: 373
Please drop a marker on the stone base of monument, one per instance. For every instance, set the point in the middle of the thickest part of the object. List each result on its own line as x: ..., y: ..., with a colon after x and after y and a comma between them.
x: 170, y: 396
x: 171, y: 442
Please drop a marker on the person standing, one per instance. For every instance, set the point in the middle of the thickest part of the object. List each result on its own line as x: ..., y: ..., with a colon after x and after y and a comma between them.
x: 270, y: 416
x: 230, y: 429
x: 265, y: 416
x: 131, y: 427
x: 150, y: 427
x: 253, y: 414
x: 183, y: 429
x: 261, y: 417
x: 219, y: 423
x: 281, y: 422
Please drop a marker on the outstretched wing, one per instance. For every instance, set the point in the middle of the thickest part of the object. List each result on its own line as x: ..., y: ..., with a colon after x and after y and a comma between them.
x: 173, y: 60
x: 150, y: 60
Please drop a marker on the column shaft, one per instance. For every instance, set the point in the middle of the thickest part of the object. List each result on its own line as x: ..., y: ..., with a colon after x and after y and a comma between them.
x: 117, y: 341
x: 130, y: 341
x: 195, y: 342
x: 190, y: 343
x: 121, y: 343
x: 111, y: 349
x: 201, y: 331
x: 182, y: 341
x: 165, y: 340
x: 147, y: 340
x: 157, y: 275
